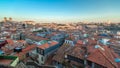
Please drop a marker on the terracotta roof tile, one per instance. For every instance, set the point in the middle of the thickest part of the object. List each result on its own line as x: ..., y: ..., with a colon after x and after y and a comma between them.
x: 80, y: 42
x: 10, y: 41
x: 77, y: 51
x: 25, y: 50
x: 60, y: 54
x: 47, y: 45
x: 28, y: 48
x: 5, y: 61
x: 104, y: 58
x: 36, y: 38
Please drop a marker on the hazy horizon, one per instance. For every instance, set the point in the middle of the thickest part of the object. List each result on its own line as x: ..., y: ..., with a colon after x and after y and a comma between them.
x: 61, y: 10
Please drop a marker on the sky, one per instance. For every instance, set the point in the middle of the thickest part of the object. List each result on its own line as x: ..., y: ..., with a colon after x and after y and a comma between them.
x: 61, y: 10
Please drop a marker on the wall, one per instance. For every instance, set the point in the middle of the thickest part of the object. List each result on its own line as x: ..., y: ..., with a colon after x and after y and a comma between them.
x: 69, y: 42
x: 14, y: 63
x: 50, y: 49
x: 14, y: 58
x: 39, y: 59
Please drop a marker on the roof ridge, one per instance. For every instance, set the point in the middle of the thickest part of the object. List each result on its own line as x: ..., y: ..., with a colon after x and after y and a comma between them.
x: 111, y: 56
x: 107, y: 58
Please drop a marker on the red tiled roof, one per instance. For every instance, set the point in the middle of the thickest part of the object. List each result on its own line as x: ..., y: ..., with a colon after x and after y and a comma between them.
x: 5, y: 61
x: 10, y: 41
x: 96, y: 55
x: 60, y: 54
x: 80, y: 42
x: 46, y: 45
x: 77, y: 51
x: 36, y: 38
x: 104, y: 58
x: 28, y: 48
x: 22, y: 41
x: 25, y: 50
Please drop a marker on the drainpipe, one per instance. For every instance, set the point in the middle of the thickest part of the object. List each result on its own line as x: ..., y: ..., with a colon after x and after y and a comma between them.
x: 93, y: 65
x: 85, y: 61
x: 85, y: 57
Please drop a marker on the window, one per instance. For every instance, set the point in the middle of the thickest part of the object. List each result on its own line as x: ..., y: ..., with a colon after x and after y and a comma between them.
x: 67, y: 41
x: 27, y: 54
x: 41, y: 52
x: 38, y: 50
x: 41, y: 58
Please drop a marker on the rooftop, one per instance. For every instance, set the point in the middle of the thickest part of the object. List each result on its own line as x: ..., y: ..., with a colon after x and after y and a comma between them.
x: 7, y: 60
x: 60, y: 54
x: 48, y: 44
